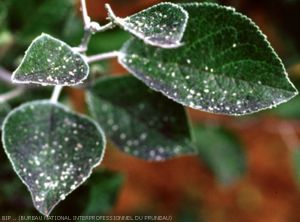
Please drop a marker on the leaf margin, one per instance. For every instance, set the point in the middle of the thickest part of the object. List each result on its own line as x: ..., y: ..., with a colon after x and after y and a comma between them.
x: 232, y: 10
x: 14, y: 80
x: 69, y: 111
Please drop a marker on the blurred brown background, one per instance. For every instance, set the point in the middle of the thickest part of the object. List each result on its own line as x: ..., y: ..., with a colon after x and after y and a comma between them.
x: 268, y: 192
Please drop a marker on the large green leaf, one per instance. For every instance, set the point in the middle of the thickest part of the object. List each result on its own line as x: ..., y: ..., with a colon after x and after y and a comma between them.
x: 225, y: 66
x: 49, y: 61
x: 51, y: 149
x: 140, y: 121
x: 221, y: 151
x: 161, y: 25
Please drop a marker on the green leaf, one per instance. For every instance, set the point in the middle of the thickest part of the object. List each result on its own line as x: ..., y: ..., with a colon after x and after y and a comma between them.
x: 140, y: 121
x: 221, y: 151
x: 51, y: 149
x: 161, y: 25
x: 47, y: 16
x: 14, y: 199
x: 226, y: 65
x: 49, y: 61
x: 97, y: 196
x: 72, y: 30
x: 104, y: 190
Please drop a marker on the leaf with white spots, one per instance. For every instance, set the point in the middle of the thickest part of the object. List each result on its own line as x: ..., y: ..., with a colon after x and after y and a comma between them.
x: 97, y: 196
x: 161, y: 25
x: 140, y: 121
x: 226, y: 65
x: 49, y: 61
x: 221, y: 151
x: 52, y: 150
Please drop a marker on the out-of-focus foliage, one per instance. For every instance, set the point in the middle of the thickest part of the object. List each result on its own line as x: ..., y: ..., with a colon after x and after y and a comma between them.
x: 221, y: 151
x: 140, y: 121
x: 289, y: 110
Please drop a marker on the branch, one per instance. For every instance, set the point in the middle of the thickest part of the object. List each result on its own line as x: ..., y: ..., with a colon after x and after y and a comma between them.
x: 85, y: 16
x: 12, y: 94
x: 108, y: 26
x: 111, y: 13
x: 103, y: 56
x: 55, y: 94
x: 5, y: 75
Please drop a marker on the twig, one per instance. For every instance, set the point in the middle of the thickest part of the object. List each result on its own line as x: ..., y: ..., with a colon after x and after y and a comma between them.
x: 111, y: 13
x: 89, y: 29
x: 55, y: 94
x: 87, y: 25
x: 85, y: 16
x: 108, y: 26
x: 85, y: 41
x: 5, y: 75
x: 12, y: 94
x: 103, y: 56
x: 82, y: 48
x: 79, y: 49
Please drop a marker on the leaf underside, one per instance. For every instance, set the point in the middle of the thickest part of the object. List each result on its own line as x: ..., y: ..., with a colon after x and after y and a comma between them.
x: 162, y: 25
x: 51, y: 149
x: 49, y: 61
x: 221, y: 151
x: 140, y: 121
x: 226, y: 65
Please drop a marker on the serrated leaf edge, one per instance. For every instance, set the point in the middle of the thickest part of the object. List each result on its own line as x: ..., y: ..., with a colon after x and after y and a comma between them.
x: 14, y: 80
x: 70, y: 112
x: 234, y: 12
